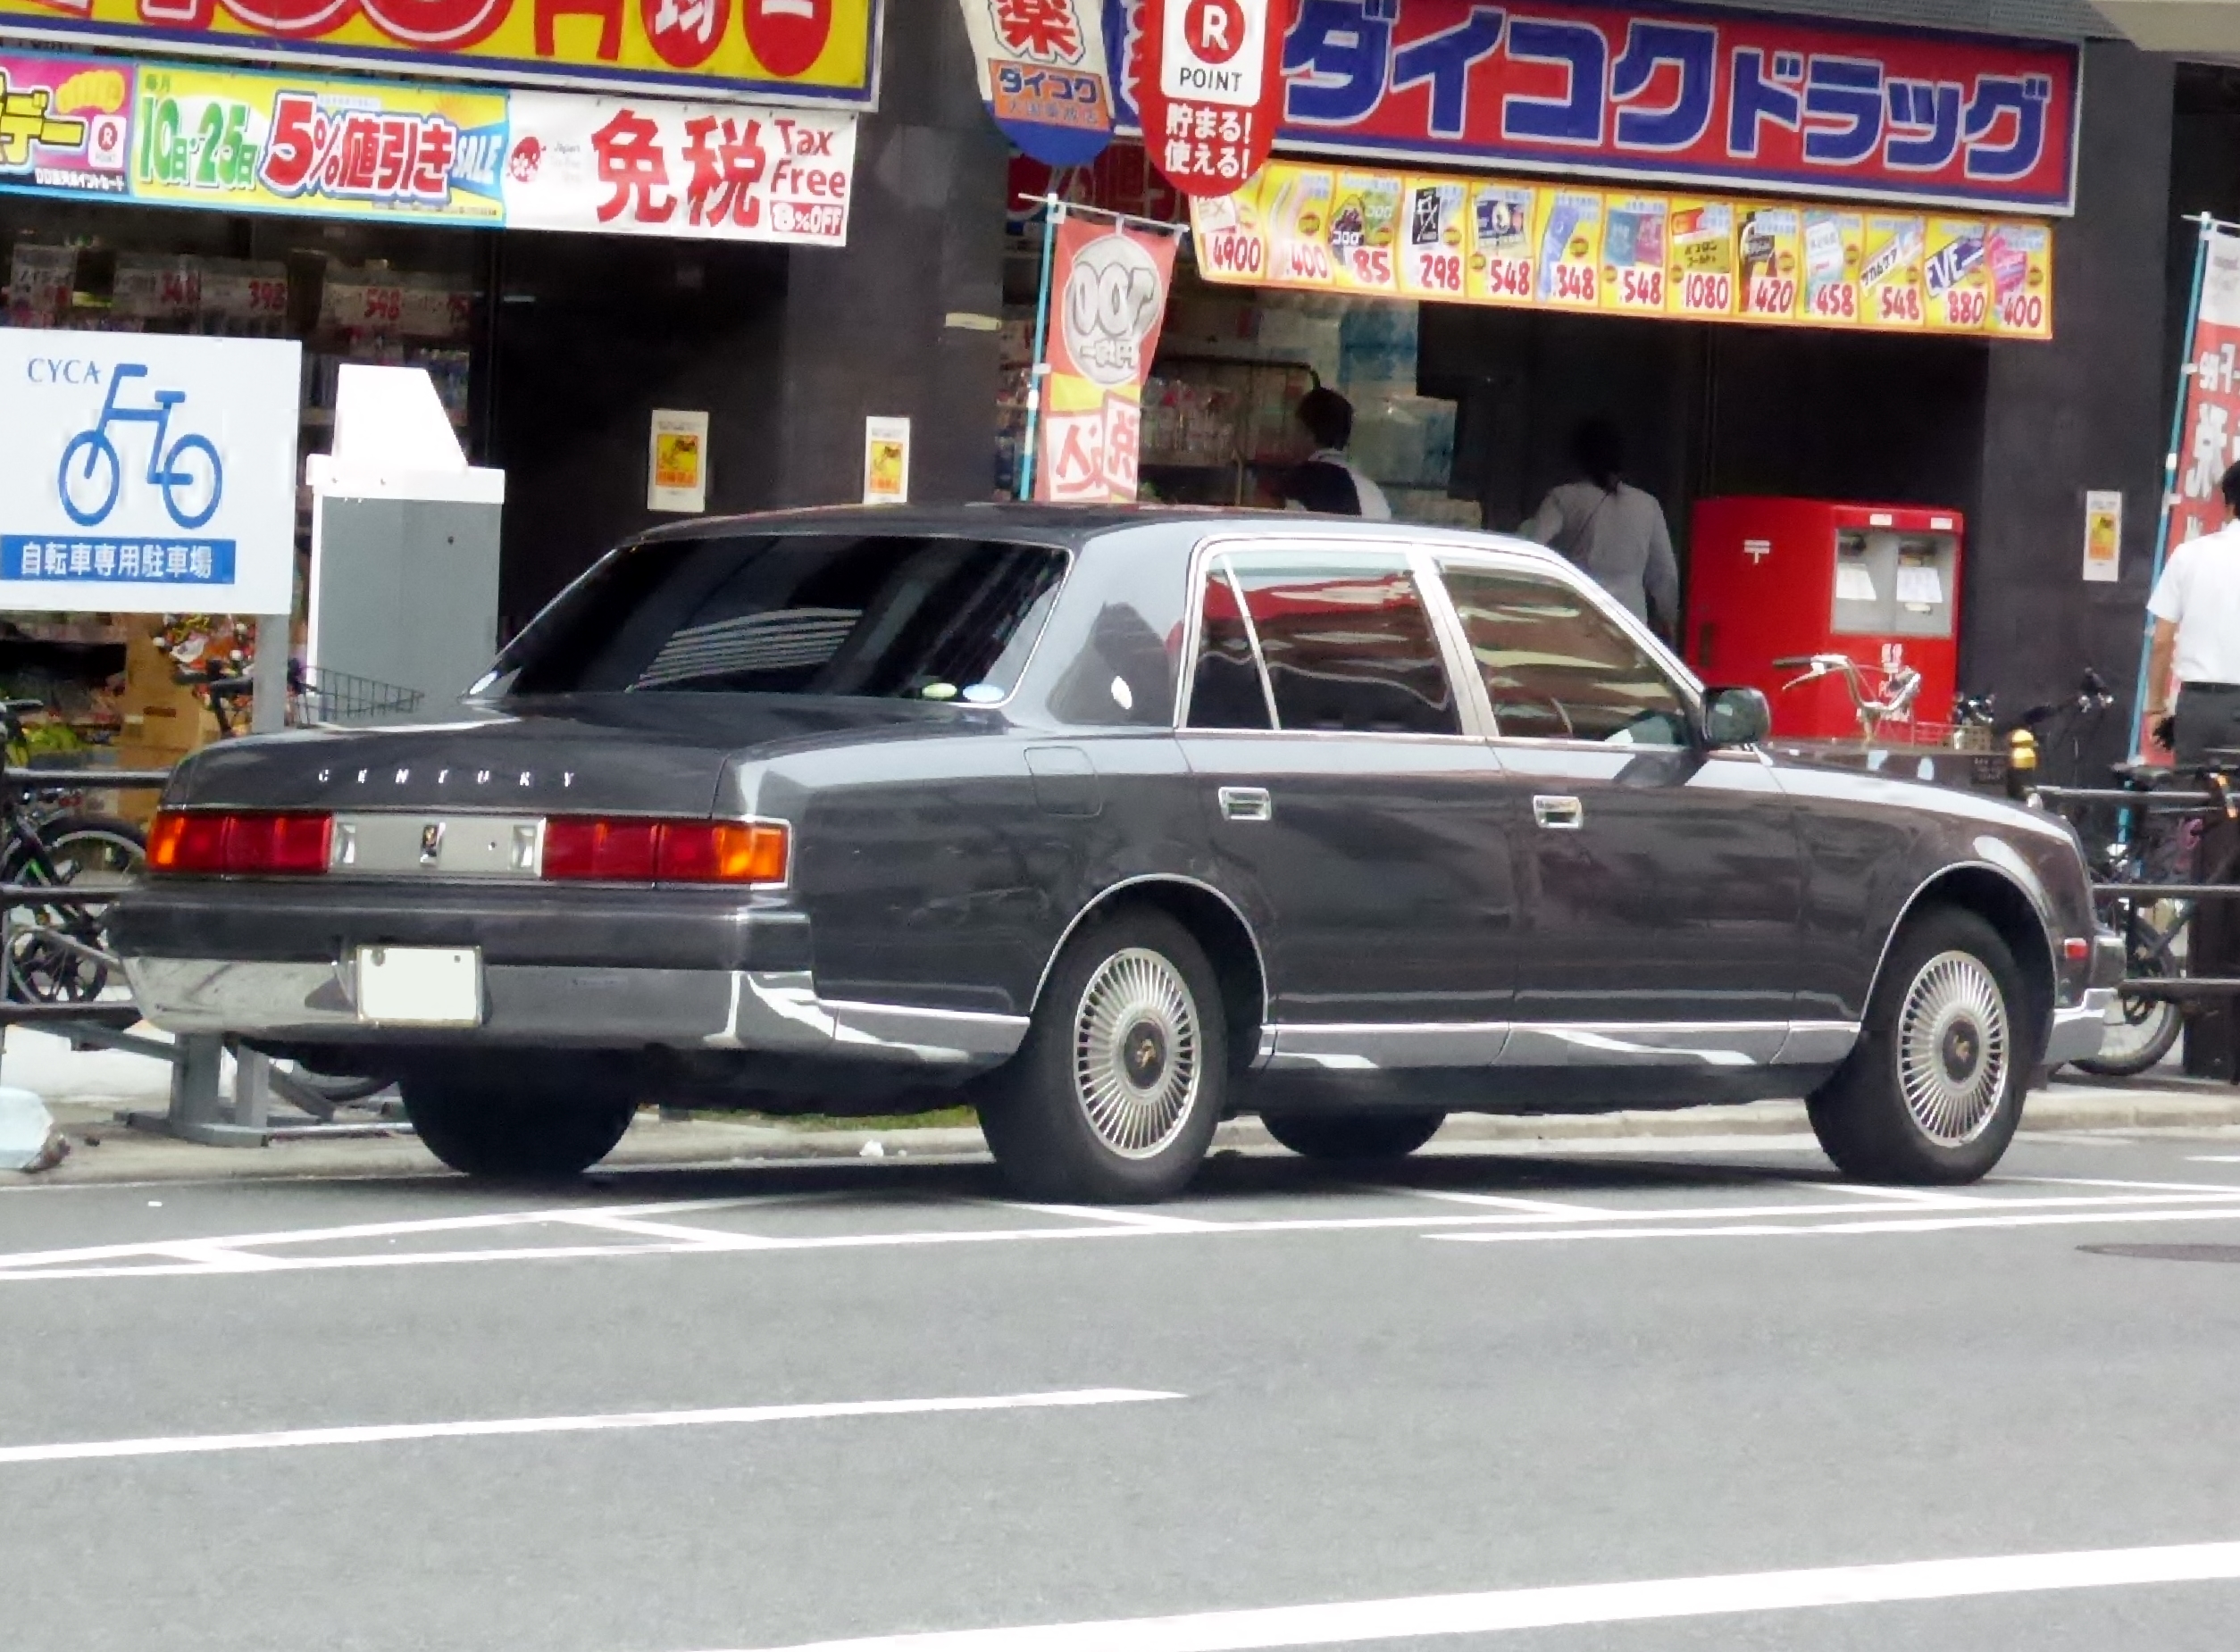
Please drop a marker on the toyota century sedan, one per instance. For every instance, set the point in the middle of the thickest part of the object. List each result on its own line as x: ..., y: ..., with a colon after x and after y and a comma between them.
x: 1112, y: 822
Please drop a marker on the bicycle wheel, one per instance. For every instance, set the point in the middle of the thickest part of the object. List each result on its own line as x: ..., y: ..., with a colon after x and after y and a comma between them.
x: 178, y: 480
x: 55, y: 953
x: 89, y: 495
x: 2141, y: 1031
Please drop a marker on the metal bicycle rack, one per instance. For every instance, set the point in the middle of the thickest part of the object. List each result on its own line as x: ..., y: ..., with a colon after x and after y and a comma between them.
x: 197, y: 1110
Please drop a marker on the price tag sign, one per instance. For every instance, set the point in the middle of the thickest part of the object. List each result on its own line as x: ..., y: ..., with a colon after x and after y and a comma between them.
x: 1700, y: 279
x: 1432, y: 254
x: 1769, y: 241
x: 1956, y: 275
x: 1890, y: 275
x: 1364, y: 232
x: 1571, y: 250
x: 2021, y: 260
x: 1504, y: 265
x: 1633, y: 238
x: 1832, y: 251
x: 1298, y: 217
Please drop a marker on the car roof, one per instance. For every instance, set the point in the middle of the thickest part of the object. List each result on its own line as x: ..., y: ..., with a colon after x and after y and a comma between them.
x: 1072, y: 525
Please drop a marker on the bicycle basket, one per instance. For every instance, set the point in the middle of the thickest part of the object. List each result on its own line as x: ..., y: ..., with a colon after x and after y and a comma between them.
x: 337, y: 696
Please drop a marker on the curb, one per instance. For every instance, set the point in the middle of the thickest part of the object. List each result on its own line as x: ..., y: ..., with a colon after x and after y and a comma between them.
x: 121, y: 1156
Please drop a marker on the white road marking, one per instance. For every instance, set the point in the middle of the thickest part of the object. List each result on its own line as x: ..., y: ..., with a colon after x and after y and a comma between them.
x: 389, y: 1433
x: 2213, y: 1158
x: 1902, y: 1196
x: 236, y: 1254
x: 1911, y: 1224
x: 2140, y: 1187
x: 1500, y: 1201
x: 1340, y: 1623
x: 1119, y: 1215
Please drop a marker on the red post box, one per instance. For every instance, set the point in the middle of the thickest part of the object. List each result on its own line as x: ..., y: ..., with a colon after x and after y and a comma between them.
x: 1772, y: 579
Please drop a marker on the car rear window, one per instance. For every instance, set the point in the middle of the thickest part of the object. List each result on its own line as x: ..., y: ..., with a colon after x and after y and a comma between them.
x: 884, y: 616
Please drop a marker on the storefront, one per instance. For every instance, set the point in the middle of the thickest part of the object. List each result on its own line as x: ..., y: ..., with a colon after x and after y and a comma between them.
x: 554, y: 260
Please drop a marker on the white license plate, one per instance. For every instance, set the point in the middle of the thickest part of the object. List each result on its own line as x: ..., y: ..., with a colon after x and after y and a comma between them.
x: 420, y: 986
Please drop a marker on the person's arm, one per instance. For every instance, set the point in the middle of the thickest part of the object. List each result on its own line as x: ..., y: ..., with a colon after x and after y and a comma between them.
x: 2166, y: 606
x: 1660, y: 579
x: 1544, y: 525
x: 2158, y: 679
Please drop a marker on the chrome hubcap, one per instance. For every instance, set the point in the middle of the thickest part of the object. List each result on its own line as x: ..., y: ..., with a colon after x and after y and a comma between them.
x: 1136, y: 1053
x: 1953, y: 1048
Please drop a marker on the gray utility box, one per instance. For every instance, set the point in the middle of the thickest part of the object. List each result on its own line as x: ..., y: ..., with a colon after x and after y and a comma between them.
x: 404, y: 553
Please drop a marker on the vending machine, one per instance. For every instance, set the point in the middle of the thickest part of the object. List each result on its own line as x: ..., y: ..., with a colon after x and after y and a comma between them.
x: 1784, y: 578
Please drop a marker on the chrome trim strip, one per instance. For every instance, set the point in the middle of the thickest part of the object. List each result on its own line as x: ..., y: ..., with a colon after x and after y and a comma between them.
x: 1818, y: 1043
x: 1629, y: 1043
x: 1380, y: 1045
x: 2078, y: 1032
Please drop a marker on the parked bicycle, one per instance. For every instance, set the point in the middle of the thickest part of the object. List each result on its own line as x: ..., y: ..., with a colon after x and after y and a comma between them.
x: 92, y: 472
x: 56, y: 953
x: 1892, y: 701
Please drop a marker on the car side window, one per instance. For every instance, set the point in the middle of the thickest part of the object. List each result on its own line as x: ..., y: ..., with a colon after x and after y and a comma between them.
x: 1347, y: 644
x: 1224, y: 684
x: 1557, y: 667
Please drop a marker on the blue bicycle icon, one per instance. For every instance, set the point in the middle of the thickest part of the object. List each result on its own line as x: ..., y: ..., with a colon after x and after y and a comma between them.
x: 93, y: 473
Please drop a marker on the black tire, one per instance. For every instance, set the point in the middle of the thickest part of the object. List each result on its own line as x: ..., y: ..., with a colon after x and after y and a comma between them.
x: 532, y: 1125
x: 1149, y: 1055
x: 1372, y: 1133
x: 1933, y: 1091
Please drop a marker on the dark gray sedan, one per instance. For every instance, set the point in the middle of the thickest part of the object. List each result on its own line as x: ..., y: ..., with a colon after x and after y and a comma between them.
x: 1114, y: 823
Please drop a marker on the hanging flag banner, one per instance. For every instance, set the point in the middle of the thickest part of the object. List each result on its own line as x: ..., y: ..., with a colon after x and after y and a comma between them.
x: 716, y: 171
x: 2210, y: 426
x: 1709, y: 98
x: 1042, y: 75
x: 1211, y: 89
x: 1108, y: 301
x: 237, y: 141
x: 787, y: 50
x: 66, y: 125
x: 1551, y: 246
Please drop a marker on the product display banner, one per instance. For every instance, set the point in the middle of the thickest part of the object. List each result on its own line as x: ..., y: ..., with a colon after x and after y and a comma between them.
x: 2210, y: 440
x: 1042, y: 75
x: 1553, y: 246
x: 1211, y: 89
x: 1715, y: 99
x: 818, y: 51
x: 243, y: 140
x: 147, y: 473
x: 1108, y: 298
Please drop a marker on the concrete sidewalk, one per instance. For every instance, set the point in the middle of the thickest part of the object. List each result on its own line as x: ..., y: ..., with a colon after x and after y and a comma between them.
x: 88, y: 1090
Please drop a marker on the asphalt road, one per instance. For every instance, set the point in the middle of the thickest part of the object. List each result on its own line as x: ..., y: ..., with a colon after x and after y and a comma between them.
x: 1667, y: 1394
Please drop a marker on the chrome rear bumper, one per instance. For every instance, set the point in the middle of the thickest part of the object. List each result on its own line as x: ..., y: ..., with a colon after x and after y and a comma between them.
x: 2078, y: 1032
x: 771, y: 1010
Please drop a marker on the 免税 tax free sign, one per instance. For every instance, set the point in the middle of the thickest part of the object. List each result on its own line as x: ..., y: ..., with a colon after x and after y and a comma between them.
x: 147, y: 473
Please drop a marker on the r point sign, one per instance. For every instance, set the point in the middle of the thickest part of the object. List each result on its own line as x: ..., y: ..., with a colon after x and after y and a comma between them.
x: 1213, y: 90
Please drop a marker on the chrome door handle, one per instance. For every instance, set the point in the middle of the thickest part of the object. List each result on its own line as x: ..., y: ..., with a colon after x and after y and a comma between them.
x: 1246, y: 802
x: 1559, y: 813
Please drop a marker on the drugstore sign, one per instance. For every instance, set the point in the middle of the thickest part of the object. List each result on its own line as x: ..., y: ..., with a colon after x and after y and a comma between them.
x: 237, y: 140
x: 1633, y: 252
x: 795, y: 51
x: 1676, y: 96
x: 147, y: 474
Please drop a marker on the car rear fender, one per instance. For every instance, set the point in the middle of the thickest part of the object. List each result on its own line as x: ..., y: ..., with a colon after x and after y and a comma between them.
x: 1213, y: 919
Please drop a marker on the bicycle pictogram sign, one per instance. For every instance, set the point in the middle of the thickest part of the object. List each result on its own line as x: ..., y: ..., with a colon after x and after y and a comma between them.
x: 92, y: 473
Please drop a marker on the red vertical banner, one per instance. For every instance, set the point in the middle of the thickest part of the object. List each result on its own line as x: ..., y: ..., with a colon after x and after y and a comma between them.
x: 1212, y: 88
x: 1108, y: 285
x: 2209, y: 432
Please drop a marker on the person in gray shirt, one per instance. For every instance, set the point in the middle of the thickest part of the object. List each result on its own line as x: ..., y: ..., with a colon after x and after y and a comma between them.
x: 1612, y: 529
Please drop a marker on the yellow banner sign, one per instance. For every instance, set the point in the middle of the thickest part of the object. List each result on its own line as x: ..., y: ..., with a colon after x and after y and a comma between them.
x: 1557, y: 246
x: 796, y: 51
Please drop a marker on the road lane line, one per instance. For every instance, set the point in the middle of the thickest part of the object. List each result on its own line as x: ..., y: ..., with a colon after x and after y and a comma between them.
x: 713, y: 1239
x: 1120, y: 1215
x: 1498, y: 1201
x: 1493, y: 1611
x: 1925, y: 1224
x: 2144, y: 1187
x: 1902, y: 1196
x: 188, y: 1445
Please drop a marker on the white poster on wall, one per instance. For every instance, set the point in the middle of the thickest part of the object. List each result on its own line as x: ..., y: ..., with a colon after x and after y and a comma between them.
x: 886, y: 461
x: 717, y: 172
x: 147, y: 473
x: 676, y: 462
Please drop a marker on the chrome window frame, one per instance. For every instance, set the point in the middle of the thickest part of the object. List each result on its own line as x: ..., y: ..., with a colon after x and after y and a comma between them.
x: 1214, y: 554
x: 1684, y: 682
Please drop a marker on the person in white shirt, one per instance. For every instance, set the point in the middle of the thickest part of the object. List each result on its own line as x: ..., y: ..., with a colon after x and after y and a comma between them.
x: 2197, y: 613
x: 1326, y: 480
x: 1613, y: 530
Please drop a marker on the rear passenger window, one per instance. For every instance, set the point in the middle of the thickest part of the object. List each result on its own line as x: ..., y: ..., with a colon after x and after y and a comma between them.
x: 1345, y: 641
x: 1224, y: 687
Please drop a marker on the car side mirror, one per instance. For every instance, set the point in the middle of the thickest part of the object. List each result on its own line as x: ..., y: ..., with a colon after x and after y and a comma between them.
x: 1736, y: 717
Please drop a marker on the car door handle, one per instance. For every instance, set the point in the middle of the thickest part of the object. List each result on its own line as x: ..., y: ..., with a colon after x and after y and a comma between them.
x: 1246, y: 802
x: 1559, y: 813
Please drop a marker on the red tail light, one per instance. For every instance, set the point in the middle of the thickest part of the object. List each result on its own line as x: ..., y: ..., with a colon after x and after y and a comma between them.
x: 643, y: 851
x: 260, y: 843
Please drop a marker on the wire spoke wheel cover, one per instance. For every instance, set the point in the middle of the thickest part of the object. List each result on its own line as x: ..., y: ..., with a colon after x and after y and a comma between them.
x: 1954, y: 1048
x: 1137, y: 1052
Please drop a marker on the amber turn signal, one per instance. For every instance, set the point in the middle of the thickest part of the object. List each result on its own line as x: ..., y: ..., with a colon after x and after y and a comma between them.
x: 626, y: 850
